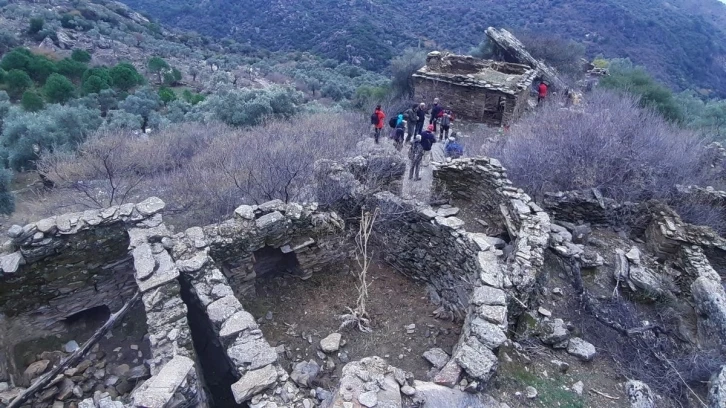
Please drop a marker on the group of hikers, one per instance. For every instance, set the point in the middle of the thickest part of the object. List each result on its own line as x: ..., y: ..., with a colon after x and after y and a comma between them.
x: 408, y: 128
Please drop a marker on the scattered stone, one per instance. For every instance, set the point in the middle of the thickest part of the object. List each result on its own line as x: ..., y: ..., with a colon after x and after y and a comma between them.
x: 530, y: 392
x: 449, y: 375
x: 408, y: 390
x: 557, y: 291
x: 544, y: 312
x: 36, y: 369
x: 578, y: 387
x: 437, y: 357
x: 71, y: 346
x: 331, y: 344
x: 561, y: 365
x: 305, y: 372
x: 368, y: 399
x: 553, y: 331
x: 268, y: 316
x: 639, y: 394
x: 253, y: 382
x: 581, y: 349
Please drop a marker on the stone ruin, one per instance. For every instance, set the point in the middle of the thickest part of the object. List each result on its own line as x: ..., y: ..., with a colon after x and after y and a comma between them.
x: 490, y: 92
x: 200, y: 347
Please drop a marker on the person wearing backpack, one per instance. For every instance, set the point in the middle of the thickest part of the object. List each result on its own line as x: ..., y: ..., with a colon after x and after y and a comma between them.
x: 415, y: 154
x: 446, y: 118
x: 377, y: 120
x: 428, y: 138
x: 398, y: 138
x: 411, y: 118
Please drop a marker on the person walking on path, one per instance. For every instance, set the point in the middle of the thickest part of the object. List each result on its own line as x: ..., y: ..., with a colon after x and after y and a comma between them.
x: 542, y: 92
x: 415, y: 154
x: 411, y: 119
x: 420, y: 118
x: 378, y: 126
x: 436, y: 112
x: 446, y: 118
x: 428, y: 138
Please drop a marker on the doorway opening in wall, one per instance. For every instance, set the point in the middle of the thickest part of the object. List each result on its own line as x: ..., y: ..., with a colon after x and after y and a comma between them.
x: 93, y: 317
x: 272, y: 262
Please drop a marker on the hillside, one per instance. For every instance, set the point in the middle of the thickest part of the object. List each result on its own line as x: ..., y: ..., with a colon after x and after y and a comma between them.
x: 682, y: 41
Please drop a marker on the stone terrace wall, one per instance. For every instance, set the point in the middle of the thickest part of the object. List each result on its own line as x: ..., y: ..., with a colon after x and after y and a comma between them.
x: 483, y: 183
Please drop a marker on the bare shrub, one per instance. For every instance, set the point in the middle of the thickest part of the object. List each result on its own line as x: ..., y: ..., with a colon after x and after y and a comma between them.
x: 207, y: 170
x: 610, y: 143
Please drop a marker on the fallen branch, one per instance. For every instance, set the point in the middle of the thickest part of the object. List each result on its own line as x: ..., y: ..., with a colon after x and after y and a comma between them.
x: 43, y: 381
x: 602, y: 394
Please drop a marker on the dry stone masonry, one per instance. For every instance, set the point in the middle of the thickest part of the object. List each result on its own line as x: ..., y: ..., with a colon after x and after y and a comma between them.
x: 490, y: 92
x: 202, y: 348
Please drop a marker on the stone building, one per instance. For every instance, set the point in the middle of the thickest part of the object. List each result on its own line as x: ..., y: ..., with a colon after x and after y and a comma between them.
x: 485, y: 91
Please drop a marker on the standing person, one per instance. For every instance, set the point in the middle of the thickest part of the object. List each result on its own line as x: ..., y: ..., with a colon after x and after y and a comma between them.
x: 411, y: 119
x: 542, y: 92
x: 436, y: 112
x: 415, y: 154
x: 428, y: 138
x: 398, y: 138
x: 420, y: 118
x: 446, y: 118
x: 378, y: 126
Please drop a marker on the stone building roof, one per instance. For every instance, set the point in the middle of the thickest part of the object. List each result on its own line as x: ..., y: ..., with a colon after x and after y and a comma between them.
x: 465, y: 70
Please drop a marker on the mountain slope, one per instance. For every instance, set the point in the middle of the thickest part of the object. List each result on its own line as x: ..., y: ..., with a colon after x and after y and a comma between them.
x: 682, y: 42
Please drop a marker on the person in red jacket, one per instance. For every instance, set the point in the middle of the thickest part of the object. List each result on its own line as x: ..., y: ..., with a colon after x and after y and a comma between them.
x: 381, y: 120
x: 542, y: 92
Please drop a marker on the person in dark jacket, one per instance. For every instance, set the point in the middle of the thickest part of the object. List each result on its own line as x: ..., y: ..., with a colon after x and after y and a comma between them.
x: 436, y: 112
x: 445, y: 121
x: 420, y: 118
x: 411, y: 119
x: 415, y: 154
x: 428, y: 138
x: 453, y: 149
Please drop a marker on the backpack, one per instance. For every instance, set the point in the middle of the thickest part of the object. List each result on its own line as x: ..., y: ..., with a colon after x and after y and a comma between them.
x: 374, y: 119
x: 392, y: 122
x: 445, y: 120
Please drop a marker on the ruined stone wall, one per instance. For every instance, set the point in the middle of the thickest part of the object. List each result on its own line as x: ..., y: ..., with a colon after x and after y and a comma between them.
x: 314, y: 238
x: 483, y: 183
x: 71, y: 263
x: 472, y: 103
